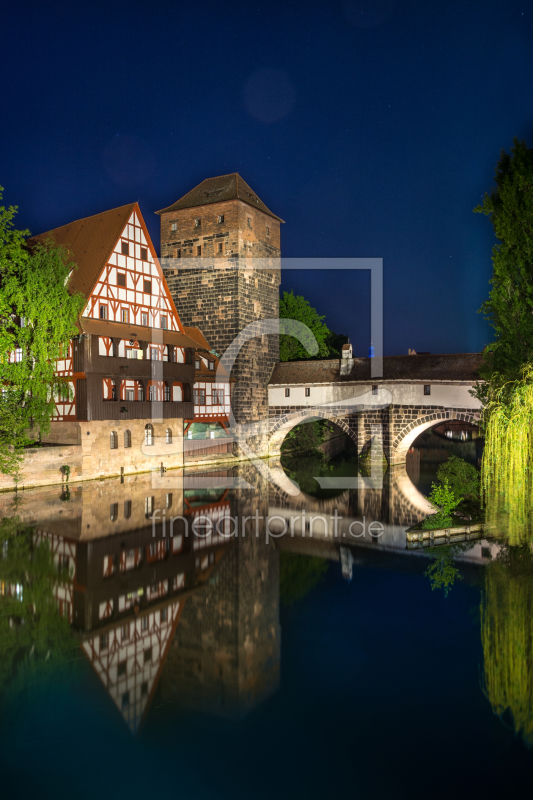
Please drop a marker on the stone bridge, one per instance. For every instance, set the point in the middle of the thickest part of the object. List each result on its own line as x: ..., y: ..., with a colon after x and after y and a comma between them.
x: 388, y: 412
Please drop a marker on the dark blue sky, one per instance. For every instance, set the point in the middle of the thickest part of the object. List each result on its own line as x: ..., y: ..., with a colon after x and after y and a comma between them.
x: 371, y: 128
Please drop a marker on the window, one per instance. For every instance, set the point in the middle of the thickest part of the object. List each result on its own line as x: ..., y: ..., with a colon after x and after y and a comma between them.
x: 164, y: 614
x: 121, y: 669
x: 113, y: 512
x: 125, y: 700
x: 218, y: 397
x: 127, y: 438
x: 197, y: 223
x: 144, y: 689
x: 154, y: 353
x: 125, y: 248
x: 125, y: 632
x: 104, y: 641
x: 374, y: 389
x: 196, y: 363
x: 198, y: 397
x: 486, y: 552
x: 199, y: 250
x: 166, y: 394
x: 308, y: 392
x: 152, y: 393
x: 130, y: 397
x: 103, y: 312
x: 169, y: 494
x: 211, y: 365
x: 127, y: 509
x: 144, y: 624
x: 144, y: 318
x: 178, y: 253
x: 163, y: 322
x: 173, y: 226
x: 149, y: 509
x: 121, y: 278
x: 131, y: 352
x: 220, y: 247
x: 147, y: 287
x: 287, y: 392
x: 427, y: 389
x: 249, y: 222
x: 147, y: 655
x: 149, y: 434
x: 220, y: 219
x: 125, y: 315
x: 268, y: 231
x: 18, y: 354
x: 113, y: 440
x: 168, y: 436
x: 140, y: 392
x: 144, y: 254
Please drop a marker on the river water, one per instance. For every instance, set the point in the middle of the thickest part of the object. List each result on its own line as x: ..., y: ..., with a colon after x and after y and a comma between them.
x: 271, y: 664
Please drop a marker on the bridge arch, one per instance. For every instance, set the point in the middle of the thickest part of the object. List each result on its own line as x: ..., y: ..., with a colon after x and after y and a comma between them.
x: 287, y: 422
x: 405, y: 438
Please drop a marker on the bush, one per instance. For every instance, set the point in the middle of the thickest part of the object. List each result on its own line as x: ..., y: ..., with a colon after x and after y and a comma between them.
x: 443, y: 500
x: 463, y: 478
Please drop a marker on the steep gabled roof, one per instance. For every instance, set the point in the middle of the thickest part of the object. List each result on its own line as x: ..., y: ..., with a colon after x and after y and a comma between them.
x: 218, y: 190
x: 90, y: 241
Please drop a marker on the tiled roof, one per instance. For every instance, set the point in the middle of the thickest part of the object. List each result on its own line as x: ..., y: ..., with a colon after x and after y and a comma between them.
x: 448, y: 367
x: 90, y: 241
x: 218, y: 190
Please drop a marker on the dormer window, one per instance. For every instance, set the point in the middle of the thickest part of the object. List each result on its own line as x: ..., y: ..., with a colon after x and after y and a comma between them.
x: 197, y: 223
x: 212, y: 366
x: 196, y: 363
x: 125, y: 248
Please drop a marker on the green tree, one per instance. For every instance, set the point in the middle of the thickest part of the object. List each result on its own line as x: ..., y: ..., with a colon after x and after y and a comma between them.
x: 443, y: 501
x: 296, y: 307
x: 509, y: 307
x: 463, y: 478
x: 37, y: 319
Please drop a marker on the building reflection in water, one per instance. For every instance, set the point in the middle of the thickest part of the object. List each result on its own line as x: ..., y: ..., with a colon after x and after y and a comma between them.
x: 196, y: 617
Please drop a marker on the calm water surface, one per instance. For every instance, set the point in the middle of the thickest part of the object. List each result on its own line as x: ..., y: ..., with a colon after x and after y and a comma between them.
x: 211, y: 666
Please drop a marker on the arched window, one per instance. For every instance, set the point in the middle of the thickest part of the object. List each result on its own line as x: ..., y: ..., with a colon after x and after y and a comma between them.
x: 113, y: 440
x: 127, y: 438
x: 168, y: 437
x: 149, y: 434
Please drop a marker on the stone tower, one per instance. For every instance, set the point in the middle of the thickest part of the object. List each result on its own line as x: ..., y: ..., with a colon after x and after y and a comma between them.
x: 234, y: 240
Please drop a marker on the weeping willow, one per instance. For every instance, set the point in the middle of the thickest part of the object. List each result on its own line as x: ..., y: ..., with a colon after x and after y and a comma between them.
x: 507, y: 467
x: 507, y: 637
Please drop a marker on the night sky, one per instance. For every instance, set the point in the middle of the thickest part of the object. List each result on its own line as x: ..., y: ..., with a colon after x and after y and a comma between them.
x: 372, y: 127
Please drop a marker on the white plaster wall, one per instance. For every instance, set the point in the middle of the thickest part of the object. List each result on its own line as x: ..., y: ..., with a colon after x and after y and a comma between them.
x: 442, y: 394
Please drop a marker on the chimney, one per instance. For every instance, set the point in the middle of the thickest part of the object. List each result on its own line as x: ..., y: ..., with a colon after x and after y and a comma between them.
x: 346, y: 359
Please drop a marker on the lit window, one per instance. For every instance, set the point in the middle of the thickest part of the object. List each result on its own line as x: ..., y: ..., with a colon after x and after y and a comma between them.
x: 287, y: 392
x: 163, y: 322
x: 147, y: 287
x: 121, y: 278
x: 220, y: 218
x: 308, y: 392
x: 103, y: 312
x: 144, y: 318
x: 125, y: 315
x: 427, y: 390
x: 125, y: 248
x: 199, y: 250
x: 173, y: 226
x: 197, y: 223
x: 374, y: 389
x: 154, y: 354
x: 144, y: 254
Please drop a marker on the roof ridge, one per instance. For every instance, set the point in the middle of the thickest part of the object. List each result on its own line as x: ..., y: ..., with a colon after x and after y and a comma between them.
x: 84, y: 219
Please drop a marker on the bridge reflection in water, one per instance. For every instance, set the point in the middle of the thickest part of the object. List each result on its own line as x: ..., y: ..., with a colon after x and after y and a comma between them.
x: 194, y: 617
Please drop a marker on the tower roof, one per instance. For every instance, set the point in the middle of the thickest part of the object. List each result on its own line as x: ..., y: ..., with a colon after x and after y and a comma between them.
x: 217, y: 190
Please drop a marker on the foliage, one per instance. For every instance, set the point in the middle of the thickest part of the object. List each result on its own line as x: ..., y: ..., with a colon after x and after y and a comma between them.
x: 463, y: 478
x: 296, y: 308
x: 507, y: 466
x: 37, y: 317
x: 510, y: 304
x: 443, y: 500
x: 307, y: 437
x: 507, y: 637
x: 442, y: 572
x: 298, y: 574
